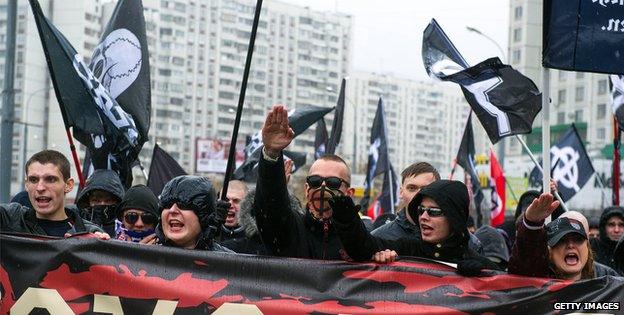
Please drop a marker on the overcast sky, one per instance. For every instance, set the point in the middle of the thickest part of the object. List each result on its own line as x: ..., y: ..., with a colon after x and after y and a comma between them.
x: 388, y: 33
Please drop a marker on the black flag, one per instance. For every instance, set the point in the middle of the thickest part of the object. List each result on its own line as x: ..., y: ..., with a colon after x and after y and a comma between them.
x: 378, y: 159
x: 163, y: 169
x: 572, y: 167
x: 121, y: 64
x: 505, y: 101
x: 320, y: 139
x: 336, y: 130
x: 299, y: 119
x: 98, y: 121
x: 248, y: 171
x: 466, y: 159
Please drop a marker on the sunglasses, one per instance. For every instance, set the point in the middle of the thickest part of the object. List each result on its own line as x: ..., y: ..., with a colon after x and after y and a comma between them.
x: 147, y: 218
x: 332, y: 182
x: 432, y: 212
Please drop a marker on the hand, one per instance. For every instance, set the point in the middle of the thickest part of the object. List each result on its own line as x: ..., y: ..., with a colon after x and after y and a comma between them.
x: 385, y: 256
x: 541, y: 208
x: 343, y: 208
x: 553, y: 186
x: 276, y: 133
x: 221, y: 211
x: 149, y: 240
x: 100, y: 235
x: 288, y: 167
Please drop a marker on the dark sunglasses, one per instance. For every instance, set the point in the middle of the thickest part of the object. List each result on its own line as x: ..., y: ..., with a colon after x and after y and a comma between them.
x: 432, y: 212
x: 332, y: 182
x: 168, y: 203
x: 147, y: 218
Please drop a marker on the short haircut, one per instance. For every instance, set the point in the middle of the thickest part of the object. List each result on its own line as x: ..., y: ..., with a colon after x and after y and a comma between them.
x: 335, y: 158
x: 50, y: 157
x: 419, y: 168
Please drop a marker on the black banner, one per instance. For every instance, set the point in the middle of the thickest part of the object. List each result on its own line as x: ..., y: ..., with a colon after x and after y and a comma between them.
x: 89, y: 276
x: 583, y: 35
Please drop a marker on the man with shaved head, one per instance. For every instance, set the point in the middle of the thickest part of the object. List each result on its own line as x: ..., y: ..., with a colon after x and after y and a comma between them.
x: 286, y: 232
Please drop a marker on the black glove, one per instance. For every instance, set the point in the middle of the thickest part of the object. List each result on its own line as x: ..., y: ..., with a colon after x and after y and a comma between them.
x: 344, y: 210
x: 470, y: 267
x: 221, y: 211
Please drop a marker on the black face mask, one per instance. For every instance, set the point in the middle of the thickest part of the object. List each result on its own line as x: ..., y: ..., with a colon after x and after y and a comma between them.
x: 101, y: 214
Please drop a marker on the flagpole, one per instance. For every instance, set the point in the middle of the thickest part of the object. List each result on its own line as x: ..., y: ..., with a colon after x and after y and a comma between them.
x: 539, y: 167
x: 241, y: 100
x: 615, y: 177
x: 72, y: 147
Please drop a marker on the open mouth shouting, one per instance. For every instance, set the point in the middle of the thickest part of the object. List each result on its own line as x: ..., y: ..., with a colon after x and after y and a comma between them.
x: 571, y: 259
x: 43, y: 201
x: 175, y: 225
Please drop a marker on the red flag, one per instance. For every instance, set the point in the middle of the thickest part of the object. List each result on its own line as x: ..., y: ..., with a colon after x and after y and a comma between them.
x: 498, y: 191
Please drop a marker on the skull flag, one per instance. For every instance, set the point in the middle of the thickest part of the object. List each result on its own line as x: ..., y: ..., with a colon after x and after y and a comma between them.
x: 98, y: 121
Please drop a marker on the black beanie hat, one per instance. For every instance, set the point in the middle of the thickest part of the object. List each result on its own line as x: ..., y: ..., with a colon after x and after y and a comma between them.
x: 138, y: 197
x: 190, y: 192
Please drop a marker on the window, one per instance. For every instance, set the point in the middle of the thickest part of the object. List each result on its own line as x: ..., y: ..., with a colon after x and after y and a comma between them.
x: 562, y: 75
x: 578, y: 115
x: 580, y: 75
x: 517, y: 13
x: 517, y: 35
x: 580, y: 93
x: 516, y: 56
x: 600, y: 133
x: 602, y: 87
x: 560, y: 119
x: 601, y: 111
x: 561, y: 97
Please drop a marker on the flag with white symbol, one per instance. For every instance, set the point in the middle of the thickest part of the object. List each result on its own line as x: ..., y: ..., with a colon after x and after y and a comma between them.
x: 497, y: 213
x: 572, y: 167
x: 505, y: 101
x: 379, y: 163
x: 98, y: 121
x: 617, y: 90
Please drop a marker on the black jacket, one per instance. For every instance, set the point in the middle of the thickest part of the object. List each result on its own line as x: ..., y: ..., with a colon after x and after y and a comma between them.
x: 602, y: 246
x: 361, y: 245
x: 19, y: 219
x: 619, y: 256
x: 246, y: 238
x: 284, y: 231
x: 401, y: 227
x: 105, y: 180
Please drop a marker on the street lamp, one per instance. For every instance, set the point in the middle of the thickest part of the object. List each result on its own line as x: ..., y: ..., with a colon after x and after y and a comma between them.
x: 476, y: 31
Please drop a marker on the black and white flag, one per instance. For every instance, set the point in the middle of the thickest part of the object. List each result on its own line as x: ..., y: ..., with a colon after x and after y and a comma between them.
x: 505, y: 101
x: 379, y: 162
x: 99, y: 122
x: 572, y: 167
x: 617, y: 92
x: 320, y: 139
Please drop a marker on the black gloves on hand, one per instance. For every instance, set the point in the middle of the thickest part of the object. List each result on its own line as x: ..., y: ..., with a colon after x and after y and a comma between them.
x: 221, y: 210
x: 344, y: 210
x: 471, y: 267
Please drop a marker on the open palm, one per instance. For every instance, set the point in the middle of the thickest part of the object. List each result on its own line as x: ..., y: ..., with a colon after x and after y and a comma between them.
x: 276, y: 133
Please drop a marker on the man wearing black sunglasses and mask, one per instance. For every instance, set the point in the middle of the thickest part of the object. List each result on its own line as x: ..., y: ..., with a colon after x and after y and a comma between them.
x: 442, y: 212
x: 284, y: 231
x: 138, y: 216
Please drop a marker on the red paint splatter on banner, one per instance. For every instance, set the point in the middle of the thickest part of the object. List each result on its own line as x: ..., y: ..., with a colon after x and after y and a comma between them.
x: 102, y: 279
x: 295, y: 306
x: 8, y: 297
x: 420, y: 282
x: 200, y: 263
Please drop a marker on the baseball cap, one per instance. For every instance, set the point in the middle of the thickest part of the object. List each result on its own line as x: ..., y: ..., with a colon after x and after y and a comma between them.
x: 561, y: 227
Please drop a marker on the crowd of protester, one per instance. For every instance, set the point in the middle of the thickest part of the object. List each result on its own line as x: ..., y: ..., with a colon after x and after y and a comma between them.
x: 432, y: 222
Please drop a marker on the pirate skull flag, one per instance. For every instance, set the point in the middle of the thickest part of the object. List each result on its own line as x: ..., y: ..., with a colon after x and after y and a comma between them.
x: 505, y: 101
x: 99, y: 122
x: 572, y: 167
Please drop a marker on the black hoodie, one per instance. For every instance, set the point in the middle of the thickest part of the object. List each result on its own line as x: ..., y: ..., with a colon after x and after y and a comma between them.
x: 603, y: 247
x: 451, y: 197
x: 103, y: 216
